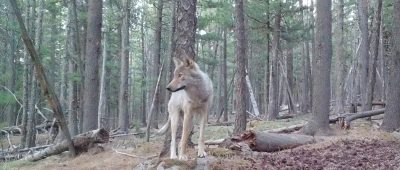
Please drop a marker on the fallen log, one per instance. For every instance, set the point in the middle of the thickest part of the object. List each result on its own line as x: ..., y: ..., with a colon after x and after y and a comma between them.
x: 288, y: 129
x: 82, y: 142
x: 267, y: 142
x: 285, y: 116
x: 348, y: 119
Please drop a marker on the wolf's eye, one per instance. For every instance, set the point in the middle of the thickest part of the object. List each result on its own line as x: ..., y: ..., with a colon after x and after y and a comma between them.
x: 180, y: 75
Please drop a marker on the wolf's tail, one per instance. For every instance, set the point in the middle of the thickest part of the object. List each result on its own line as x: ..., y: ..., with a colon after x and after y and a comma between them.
x: 164, y: 128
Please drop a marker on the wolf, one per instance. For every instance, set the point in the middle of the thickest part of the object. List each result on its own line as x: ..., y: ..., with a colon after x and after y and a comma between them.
x: 192, y: 95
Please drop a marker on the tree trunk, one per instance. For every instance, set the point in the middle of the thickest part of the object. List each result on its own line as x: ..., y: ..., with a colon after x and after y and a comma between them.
x: 91, y: 89
x: 44, y: 84
x: 31, y: 121
x: 73, y: 57
x: 102, y: 119
x: 273, y: 104
x: 123, y: 88
x: 11, y: 114
x: 391, y: 120
x: 364, y: 47
x: 267, y: 64
x: 374, y: 60
x: 144, y: 70
x: 223, y: 106
x: 252, y: 96
x: 290, y: 80
x: 27, y: 81
x: 240, y: 80
x: 157, y: 63
x: 341, y: 62
x: 319, y: 123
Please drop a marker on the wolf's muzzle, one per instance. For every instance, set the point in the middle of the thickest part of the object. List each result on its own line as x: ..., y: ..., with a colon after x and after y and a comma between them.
x: 171, y: 90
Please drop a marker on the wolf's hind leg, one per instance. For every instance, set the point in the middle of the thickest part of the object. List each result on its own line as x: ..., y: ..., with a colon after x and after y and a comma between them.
x: 187, y: 119
x: 203, y: 120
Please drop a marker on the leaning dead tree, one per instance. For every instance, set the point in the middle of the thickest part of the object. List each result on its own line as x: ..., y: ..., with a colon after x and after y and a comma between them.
x: 347, y: 120
x: 47, y: 90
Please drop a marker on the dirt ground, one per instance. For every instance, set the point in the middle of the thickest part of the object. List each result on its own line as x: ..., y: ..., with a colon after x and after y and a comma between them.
x: 362, y: 147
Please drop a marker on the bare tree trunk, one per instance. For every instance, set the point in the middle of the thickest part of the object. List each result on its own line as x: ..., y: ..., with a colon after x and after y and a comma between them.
x: 319, y: 123
x: 91, y: 90
x: 31, y: 123
x: 364, y: 46
x: 289, y: 78
x: 273, y: 105
x: 341, y: 62
x: 374, y: 60
x: 102, y: 119
x: 144, y: 75
x: 240, y: 81
x: 123, y: 88
x: 27, y: 81
x: 267, y: 65
x: 223, y: 86
x: 157, y: 62
x: 391, y: 120
x: 11, y: 115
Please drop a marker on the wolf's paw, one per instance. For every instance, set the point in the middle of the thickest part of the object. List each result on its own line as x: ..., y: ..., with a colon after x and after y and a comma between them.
x: 173, y: 157
x: 183, y: 157
x: 201, y: 154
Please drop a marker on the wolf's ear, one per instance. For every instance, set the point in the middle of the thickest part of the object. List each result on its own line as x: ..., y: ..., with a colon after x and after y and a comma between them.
x: 188, y: 62
x: 177, y: 61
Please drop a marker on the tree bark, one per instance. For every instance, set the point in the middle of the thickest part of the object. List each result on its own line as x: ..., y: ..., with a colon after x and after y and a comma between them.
x: 391, y: 120
x: 185, y: 29
x: 73, y: 57
x: 341, y: 62
x: 144, y: 70
x: 11, y: 114
x: 157, y: 63
x: 91, y: 89
x: 267, y: 64
x: 240, y: 80
x: 26, y: 78
x: 273, y: 104
x: 44, y: 84
x: 290, y: 80
x: 319, y: 123
x: 362, y: 6
x: 374, y: 60
x: 252, y: 96
x: 123, y: 88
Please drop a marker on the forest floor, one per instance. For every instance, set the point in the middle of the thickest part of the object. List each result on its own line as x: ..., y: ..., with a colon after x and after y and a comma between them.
x: 361, y: 147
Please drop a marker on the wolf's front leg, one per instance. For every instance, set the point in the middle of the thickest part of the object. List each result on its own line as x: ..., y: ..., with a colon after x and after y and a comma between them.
x: 174, y: 116
x: 203, y: 120
x: 187, y: 118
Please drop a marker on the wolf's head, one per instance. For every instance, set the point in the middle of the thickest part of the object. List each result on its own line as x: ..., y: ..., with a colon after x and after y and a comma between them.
x: 185, y: 74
